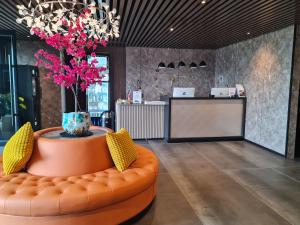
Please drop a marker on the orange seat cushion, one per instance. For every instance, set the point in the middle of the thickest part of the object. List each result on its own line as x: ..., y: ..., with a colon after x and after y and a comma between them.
x: 23, y: 194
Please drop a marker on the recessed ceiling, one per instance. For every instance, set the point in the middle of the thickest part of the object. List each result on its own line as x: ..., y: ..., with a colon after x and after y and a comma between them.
x: 184, y: 23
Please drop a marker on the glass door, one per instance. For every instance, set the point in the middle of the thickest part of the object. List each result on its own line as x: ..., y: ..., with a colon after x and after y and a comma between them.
x: 8, y: 114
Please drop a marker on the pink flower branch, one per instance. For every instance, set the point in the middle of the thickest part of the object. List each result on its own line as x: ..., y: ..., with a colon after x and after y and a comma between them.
x: 76, y: 43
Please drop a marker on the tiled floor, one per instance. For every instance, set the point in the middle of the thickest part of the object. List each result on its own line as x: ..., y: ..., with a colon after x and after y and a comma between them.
x: 223, y: 183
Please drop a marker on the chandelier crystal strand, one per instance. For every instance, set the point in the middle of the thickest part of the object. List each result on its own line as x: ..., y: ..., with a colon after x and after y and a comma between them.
x: 49, y: 16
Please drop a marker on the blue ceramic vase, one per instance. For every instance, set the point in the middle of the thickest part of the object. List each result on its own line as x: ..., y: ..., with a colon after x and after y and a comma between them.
x: 76, y: 123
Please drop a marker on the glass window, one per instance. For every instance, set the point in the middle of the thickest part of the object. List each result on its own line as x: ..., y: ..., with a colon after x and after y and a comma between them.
x: 7, y: 89
x: 98, y: 94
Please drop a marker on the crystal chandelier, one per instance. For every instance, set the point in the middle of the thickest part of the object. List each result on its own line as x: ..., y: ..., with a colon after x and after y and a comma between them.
x: 51, y: 16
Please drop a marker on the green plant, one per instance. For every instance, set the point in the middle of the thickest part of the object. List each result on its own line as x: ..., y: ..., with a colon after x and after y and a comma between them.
x: 5, y: 104
x: 22, y: 103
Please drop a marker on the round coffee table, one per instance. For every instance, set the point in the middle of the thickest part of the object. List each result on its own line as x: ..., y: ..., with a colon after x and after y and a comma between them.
x: 54, y: 155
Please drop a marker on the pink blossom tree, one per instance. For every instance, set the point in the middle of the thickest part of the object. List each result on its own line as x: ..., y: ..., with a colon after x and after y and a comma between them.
x: 75, y: 33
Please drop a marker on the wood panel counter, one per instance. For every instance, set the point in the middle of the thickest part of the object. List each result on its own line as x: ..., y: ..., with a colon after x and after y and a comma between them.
x: 205, y: 119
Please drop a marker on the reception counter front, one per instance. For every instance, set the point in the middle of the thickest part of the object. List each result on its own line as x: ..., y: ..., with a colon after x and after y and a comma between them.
x: 205, y: 119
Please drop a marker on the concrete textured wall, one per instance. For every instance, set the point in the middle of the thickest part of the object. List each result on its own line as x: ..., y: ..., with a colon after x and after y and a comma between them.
x: 263, y: 65
x: 294, y: 98
x: 50, y: 93
x: 141, y: 64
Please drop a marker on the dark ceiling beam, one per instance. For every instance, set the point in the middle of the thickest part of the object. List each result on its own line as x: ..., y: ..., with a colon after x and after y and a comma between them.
x: 260, y: 17
x: 177, y: 11
x: 159, y: 19
x: 135, y: 9
x: 220, y: 27
x: 137, y: 19
x: 142, y: 20
x: 204, y: 20
x: 241, y: 35
x: 187, y: 23
x: 215, y: 24
x: 157, y: 13
x: 9, y: 12
x: 125, y: 15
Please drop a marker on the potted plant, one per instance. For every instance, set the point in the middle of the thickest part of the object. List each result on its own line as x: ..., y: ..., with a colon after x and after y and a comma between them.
x: 74, y: 28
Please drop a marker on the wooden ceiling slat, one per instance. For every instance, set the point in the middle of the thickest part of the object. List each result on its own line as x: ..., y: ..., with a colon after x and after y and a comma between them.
x: 241, y: 36
x: 202, y: 21
x: 177, y: 11
x: 137, y: 20
x: 161, y: 18
x: 230, y: 19
x: 115, y: 5
x: 186, y: 24
x: 135, y: 9
x: 10, y: 15
x: 212, y: 25
x: 188, y: 13
x: 259, y: 15
x: 140, y: 23
x: 157, y: 13
x: 126, y: 13
x: 240, y: 21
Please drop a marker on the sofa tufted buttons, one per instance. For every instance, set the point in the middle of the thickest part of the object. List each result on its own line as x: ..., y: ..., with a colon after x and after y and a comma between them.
x: 11, y: 193
x: 67, y: 195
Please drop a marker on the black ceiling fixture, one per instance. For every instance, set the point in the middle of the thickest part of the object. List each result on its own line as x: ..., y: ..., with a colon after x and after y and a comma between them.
x: 144, y: 24
x: 181, y: 64
x: 161, y: 65
x: 202, y: 64
x: 171, y: 66
x: 193, y: 65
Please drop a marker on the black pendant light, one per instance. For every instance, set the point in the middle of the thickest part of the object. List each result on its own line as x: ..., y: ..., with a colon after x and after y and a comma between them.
x: 161, y: 65
x: 181, y: 64
x: 202, y: 64
x: 171, y: 66
x: 193, y: 65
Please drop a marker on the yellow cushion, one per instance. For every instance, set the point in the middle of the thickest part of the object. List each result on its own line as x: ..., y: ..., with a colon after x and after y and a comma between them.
x: 122, y: 149
x: 18, y: 149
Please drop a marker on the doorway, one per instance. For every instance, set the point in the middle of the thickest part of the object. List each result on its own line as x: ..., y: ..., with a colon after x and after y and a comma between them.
x: 8, y: 101
x: 297, y: 146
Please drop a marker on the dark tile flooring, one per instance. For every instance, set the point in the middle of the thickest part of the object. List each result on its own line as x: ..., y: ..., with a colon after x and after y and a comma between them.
x: 222, y: 183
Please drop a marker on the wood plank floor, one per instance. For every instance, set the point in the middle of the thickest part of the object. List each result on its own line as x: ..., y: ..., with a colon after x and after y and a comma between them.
x: 223, y: 183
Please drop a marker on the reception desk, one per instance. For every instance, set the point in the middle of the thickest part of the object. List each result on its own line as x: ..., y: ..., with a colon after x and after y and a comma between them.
x: 205, y: 119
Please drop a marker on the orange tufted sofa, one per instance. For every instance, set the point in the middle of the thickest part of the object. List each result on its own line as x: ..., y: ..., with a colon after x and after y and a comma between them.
x: 104, y: 197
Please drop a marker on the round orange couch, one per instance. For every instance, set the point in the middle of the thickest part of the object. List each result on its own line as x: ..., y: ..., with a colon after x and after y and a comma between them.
x: 105, y: 197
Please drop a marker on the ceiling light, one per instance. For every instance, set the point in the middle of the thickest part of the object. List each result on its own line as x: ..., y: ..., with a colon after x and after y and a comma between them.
x: 171, y: 29
x: 248, y: 33
x: 193, y: 65
x: 203, y: 2
x: 161, y: 65
x: 181, y: 64
x: 28, y: 36
x: 202, y: 64
x: 171, y: 66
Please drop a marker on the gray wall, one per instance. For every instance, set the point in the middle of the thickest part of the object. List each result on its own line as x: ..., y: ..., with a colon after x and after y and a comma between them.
x: 294, y: 98
x: 263, y: 66
x: 141, y: 64
x: 50, y: 93
x: 27, y: 49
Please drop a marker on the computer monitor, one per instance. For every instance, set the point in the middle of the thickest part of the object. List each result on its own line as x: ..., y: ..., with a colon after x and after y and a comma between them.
x: 183, y: 92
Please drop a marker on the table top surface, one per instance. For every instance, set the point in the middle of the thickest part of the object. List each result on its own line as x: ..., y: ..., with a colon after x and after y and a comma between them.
x: 56, y: 134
